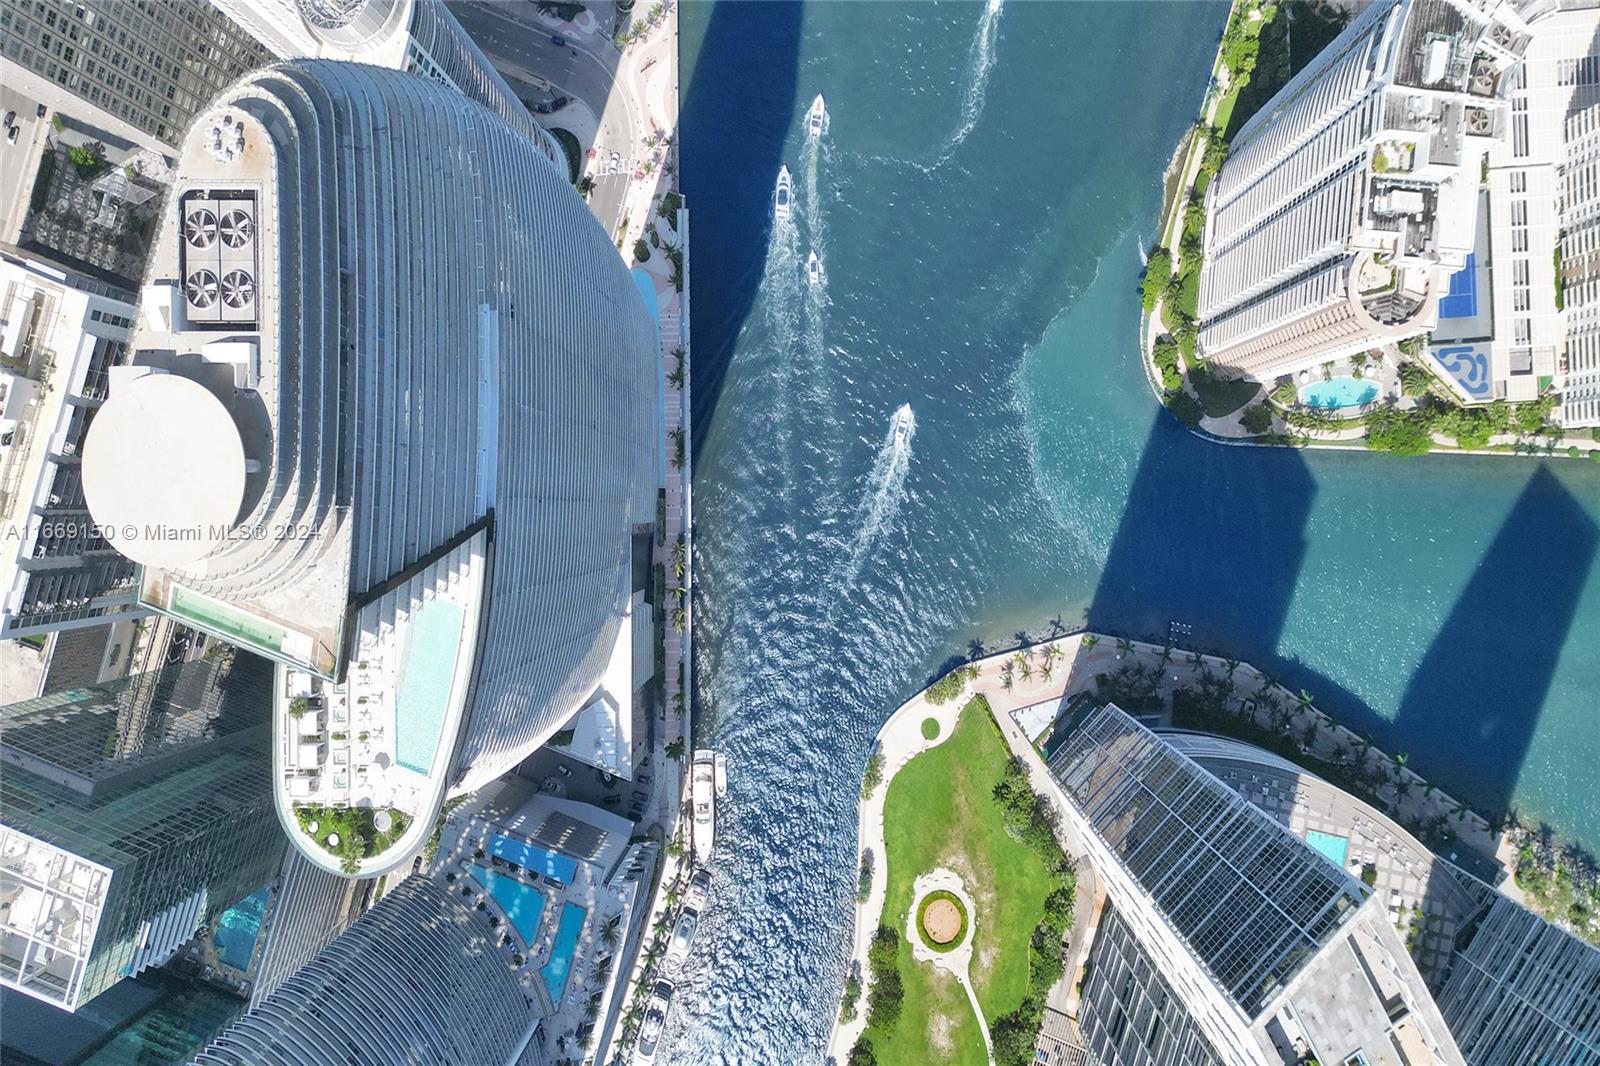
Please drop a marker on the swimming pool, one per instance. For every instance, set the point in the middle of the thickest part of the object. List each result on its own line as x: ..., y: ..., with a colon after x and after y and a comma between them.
x: 237, y: 929
x: 522, y: 904
x: 1337, y: 393
x: 534, y: 858
x: 559, y: 968
x: 432, y: 645
x: 1333, y: 848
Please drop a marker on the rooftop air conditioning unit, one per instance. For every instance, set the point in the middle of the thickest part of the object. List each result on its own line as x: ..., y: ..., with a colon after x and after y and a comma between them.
x: 200, y: 228
x: 1479, y: 121
x: 201, y: 289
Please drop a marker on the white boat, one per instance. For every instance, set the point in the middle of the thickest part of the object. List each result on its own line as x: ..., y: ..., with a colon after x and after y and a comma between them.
x: 783, y: 196
x: 721, y: 764
x: 902, y: 425
x: 817, y: 119
x: 683, y: 931
x: 702, y: 786
x: 655, y: 1019
x: 814, y: 269
x: 699, y: 891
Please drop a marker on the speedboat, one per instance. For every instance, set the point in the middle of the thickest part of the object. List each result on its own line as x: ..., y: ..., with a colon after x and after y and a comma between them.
x: 721, y: 765
x: 702, y: 785
x: 814, y: 269
x: 682, y: 936
x: 783, y: 196
x: 903, y: 420
x: 655, y: 1020
x: 817, y: 119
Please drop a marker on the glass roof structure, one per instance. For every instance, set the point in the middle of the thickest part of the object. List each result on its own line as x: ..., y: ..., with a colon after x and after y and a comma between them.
x: 1249, y: 899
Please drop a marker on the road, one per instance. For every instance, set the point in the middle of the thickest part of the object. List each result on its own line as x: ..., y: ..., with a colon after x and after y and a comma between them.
x: 521, y: 47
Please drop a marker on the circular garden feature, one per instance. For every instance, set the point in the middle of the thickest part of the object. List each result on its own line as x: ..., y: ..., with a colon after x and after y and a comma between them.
x: 930, y: 729
x: 942, y: 921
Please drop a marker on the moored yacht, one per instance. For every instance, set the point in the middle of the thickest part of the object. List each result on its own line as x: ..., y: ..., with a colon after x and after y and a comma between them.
x: 721, y: 763
x: 817, y: 119
x: 782, y: 196
x: 702, y: 788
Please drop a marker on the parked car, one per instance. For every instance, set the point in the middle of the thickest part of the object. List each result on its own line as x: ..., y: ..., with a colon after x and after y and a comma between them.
x: 11, y: 134
x: 11, y: 119
x: 40, y: 113
x: 557, y: 40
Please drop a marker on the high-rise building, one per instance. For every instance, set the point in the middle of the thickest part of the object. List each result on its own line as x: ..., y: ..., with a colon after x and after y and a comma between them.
x: 148, y: 67
x: 1501, y: 331
x: 1234, y: 928
x: 310, y: 907
x: 1251, y: 947
x: 130, y: 813
x: 1350, y: 198
x: 391, y: 420
x: 417, y: 979
x: 419, y: 36
x: 1580, y: 264
x: 60, y: 333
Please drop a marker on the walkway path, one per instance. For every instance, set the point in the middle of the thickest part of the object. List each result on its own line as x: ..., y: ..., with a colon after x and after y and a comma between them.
x: 958, y: 960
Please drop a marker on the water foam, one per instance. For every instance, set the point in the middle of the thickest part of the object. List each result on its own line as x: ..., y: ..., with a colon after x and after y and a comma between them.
x: 886, y: 487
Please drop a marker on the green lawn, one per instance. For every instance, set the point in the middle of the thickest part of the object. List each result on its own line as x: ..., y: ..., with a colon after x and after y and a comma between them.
x: 940, y: 811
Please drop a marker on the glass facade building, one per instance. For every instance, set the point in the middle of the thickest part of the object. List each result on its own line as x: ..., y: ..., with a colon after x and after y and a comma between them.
x: 418, y: 979
x: 132, y: 813
x: 1251, y: 902
x: 154, y: 64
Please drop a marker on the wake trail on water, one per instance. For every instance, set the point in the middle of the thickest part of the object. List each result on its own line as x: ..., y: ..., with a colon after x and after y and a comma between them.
x: 886, y: 487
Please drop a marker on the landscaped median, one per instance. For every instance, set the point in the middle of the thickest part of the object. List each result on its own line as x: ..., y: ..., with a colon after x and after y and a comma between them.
x: 962, y: 806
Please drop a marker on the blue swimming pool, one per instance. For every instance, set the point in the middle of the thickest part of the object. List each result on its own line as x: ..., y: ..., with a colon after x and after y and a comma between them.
x: 424, y: 691
x: 522, y: 904
x: 1334, y: 848
x: 559, y: 968
x: 1337, y: 393
x: 237, y: 929
x: 532, y: 857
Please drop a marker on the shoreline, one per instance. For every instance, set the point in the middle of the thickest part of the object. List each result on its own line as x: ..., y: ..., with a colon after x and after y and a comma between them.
x: 1189, y: 164
x: 1085, y: 656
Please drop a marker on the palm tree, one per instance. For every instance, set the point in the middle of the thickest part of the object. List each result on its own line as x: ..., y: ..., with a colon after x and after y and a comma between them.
x: 1230, y: 665
x: 1046, y: 669
x: 1400, y: 761
x: 1089, y: 641
x: 1305, y: 700
x: 1194, y: 658
x: 1461, y: 811
x: 1309, y: 735
x: 1124, y: 646
x: 1027, y: 669
x: 975, y: 648
x: 1166, y: 655
x: 675, y: 749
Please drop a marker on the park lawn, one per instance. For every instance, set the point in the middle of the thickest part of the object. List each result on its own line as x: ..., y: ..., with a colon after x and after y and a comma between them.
x: 940, y: 811
x: 936, y: 1023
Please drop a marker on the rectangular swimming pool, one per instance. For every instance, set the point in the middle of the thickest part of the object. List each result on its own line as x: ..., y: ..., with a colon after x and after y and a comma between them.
x: 1334, y: 848
x: 532, y: 857
x: 559, y: 968
x: 522, y: 904
x: 237, y: 930
x: 432, y: 644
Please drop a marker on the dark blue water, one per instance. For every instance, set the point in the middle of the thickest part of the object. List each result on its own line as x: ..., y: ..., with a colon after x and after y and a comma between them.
x: 978, y: 204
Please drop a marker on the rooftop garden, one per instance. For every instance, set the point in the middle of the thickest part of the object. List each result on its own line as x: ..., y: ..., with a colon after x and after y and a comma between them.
x: 966, y: 806
x: 352, y: 833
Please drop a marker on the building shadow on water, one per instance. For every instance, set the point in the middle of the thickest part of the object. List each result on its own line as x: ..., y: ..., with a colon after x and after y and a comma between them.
x: 1475, y: 698
x: 1213, y: 538
x: 731, y: 147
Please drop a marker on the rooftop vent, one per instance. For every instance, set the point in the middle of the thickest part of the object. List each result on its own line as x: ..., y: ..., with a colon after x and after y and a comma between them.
x: 226, y: 139
x: 200, y: 228
x: 1479, y: 121
x: 238, y: 289
x: 201, y: 289
x: 237, y: 228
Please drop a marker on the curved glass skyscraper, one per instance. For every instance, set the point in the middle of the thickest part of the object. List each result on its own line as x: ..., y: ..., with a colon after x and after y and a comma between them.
x: 391, y: 421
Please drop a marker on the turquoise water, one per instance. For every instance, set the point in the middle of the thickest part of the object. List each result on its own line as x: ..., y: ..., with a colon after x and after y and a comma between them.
x: 521, y: 903
x: 1335, y: 393
x: 559, y: 968
x: 980, y: 204
x: 1333, y: 846
x: 424, y: 692
x: 237, y: 929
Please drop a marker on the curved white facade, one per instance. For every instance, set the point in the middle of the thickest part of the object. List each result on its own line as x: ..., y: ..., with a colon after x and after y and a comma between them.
x: 445, y: 385
x: 417, y: 979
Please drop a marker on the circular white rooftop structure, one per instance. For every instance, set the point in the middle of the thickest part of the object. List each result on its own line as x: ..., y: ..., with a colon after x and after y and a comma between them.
x: 163, y: 470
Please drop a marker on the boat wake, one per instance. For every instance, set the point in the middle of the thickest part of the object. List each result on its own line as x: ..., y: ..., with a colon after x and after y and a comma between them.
x: 980, y: 62
x: 886, y: 487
